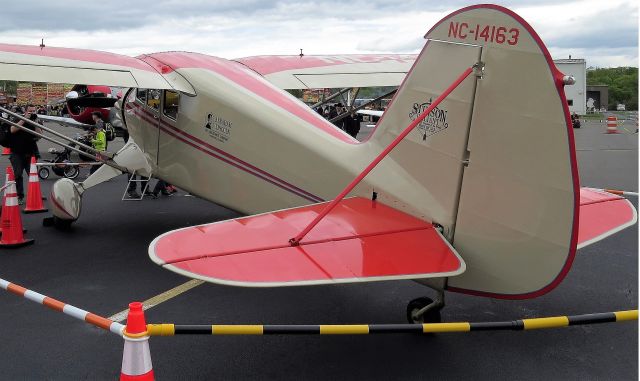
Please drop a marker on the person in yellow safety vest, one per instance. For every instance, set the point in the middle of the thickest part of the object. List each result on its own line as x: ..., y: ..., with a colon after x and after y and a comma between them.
x: 99, y: 140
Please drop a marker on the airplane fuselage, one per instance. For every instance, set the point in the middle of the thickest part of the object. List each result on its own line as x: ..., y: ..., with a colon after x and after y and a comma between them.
x: 245, y: 144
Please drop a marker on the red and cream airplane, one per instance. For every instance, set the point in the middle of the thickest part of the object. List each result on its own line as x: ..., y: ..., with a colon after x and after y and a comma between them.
x: 481, y: 197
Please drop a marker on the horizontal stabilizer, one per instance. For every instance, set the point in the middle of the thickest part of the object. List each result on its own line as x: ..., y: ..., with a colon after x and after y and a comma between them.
x: 602, y: 214
x: 359, y: 241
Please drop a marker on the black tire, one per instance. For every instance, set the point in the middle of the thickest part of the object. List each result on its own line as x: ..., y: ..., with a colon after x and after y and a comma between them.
x: 61, y: 224
x: 59, y: 167
x: 431, y: 316
x: 43, y: 173
x: 71, y: 171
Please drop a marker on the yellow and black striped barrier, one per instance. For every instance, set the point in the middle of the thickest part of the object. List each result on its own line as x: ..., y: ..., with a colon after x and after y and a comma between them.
x: 365, y: 329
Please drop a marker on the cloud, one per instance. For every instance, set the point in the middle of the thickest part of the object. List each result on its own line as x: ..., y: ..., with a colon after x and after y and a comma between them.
x: 602, y: 32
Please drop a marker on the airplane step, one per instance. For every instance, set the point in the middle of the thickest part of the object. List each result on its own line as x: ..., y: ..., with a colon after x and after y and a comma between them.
x: 144, y: 181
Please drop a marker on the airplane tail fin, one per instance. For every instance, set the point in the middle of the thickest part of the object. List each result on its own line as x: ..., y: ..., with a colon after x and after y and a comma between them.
x: 494, y: 164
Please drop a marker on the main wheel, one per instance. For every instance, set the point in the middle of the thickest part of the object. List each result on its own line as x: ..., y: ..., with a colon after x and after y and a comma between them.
x: 71, y: 171
x: 431, y: 316
x: 43, y: 173
x: 61, y: 224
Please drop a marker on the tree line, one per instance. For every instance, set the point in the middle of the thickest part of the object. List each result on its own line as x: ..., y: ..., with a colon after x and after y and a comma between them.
x: 9, y: 87
x: 622, y: 82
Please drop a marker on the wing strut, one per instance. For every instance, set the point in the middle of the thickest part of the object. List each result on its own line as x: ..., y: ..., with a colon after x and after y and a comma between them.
x: 295, y: 241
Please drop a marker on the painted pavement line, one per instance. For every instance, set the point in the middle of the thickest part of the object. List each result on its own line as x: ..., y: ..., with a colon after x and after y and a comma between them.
x: 160, y: 298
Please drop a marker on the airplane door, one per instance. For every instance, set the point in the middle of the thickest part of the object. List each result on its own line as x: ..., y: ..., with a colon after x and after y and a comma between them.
x: 168, y: 124
x: 152, y: 135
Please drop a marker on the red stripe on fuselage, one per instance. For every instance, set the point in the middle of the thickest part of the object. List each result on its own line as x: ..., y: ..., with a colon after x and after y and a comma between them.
x: 228, y: 155
x: 147, y: 117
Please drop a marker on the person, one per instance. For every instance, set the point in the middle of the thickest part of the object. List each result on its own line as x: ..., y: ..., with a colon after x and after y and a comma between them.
x: 352, y: 124
x: 332, y: 112
x: 132, y: 188
x: 23, y: 146
x: 34, y: 118
x: 163, y: 187
x: 99, y: 138
x: 341, y: 123
x: 575, y: 120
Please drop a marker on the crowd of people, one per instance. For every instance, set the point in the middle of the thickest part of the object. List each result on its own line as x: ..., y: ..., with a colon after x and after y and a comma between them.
x: 349, y: 123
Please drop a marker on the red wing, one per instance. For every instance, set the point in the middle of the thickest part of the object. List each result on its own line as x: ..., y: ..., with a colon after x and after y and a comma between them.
x: 359, y: 241
x: 63, y: 65
x: 602, y: 214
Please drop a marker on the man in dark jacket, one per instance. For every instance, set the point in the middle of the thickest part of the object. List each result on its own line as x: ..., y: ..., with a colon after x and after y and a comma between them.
x: 23, y: 146
x: 352, y: 124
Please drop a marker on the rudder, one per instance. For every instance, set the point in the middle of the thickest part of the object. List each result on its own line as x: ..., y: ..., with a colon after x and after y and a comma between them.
x: 495, y: 164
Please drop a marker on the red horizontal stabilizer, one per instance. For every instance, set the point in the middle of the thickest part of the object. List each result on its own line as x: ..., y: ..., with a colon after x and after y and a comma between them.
x: 359, y: 241
x: 602, y: 214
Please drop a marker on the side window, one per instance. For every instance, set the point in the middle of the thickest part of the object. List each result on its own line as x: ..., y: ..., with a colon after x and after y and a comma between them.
x: 153, y: 99
x: 170, y: 105
x: 141, y: 95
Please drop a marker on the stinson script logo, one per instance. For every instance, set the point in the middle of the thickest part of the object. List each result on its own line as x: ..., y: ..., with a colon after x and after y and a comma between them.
x: 435, y: 122
x: 218, y: 128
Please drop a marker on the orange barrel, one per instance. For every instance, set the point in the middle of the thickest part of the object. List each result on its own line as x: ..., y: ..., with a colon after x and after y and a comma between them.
x: 612, y: 124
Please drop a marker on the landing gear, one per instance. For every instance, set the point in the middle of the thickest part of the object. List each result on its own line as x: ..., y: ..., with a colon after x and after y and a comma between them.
x: 425, y: 310
x: 428, y: 316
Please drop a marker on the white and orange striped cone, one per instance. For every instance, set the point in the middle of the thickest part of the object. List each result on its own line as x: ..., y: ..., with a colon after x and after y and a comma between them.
x: 612, y: 125
x: 11, y: 221
x: 34, y: 193
x: 136, y: 358
x: 6, y: 151
x: 6, y: 182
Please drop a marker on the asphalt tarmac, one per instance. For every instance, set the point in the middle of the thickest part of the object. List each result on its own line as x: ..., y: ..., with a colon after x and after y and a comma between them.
x: 101, y: 265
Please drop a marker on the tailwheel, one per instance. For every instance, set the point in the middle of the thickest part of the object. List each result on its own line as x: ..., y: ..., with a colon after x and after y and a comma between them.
x: 417, y: 314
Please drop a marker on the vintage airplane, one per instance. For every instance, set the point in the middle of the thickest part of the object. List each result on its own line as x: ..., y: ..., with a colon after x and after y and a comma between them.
x: 482, y: 197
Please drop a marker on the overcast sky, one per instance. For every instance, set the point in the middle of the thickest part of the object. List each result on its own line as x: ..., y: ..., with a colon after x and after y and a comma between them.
x: 605, y: 32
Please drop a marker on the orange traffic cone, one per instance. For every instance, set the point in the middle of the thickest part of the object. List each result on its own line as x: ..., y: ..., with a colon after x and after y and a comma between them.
x: 34, y: 194
x: 136, y: 358
x: 6, y: 182
x: 4, y: 197
x: 6, y: 151
x: 11, y: 222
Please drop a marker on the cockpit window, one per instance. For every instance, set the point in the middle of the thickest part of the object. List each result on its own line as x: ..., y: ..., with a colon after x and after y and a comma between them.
x: 153, y: 99
x: 171, y: 102
x: 141, y: 95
